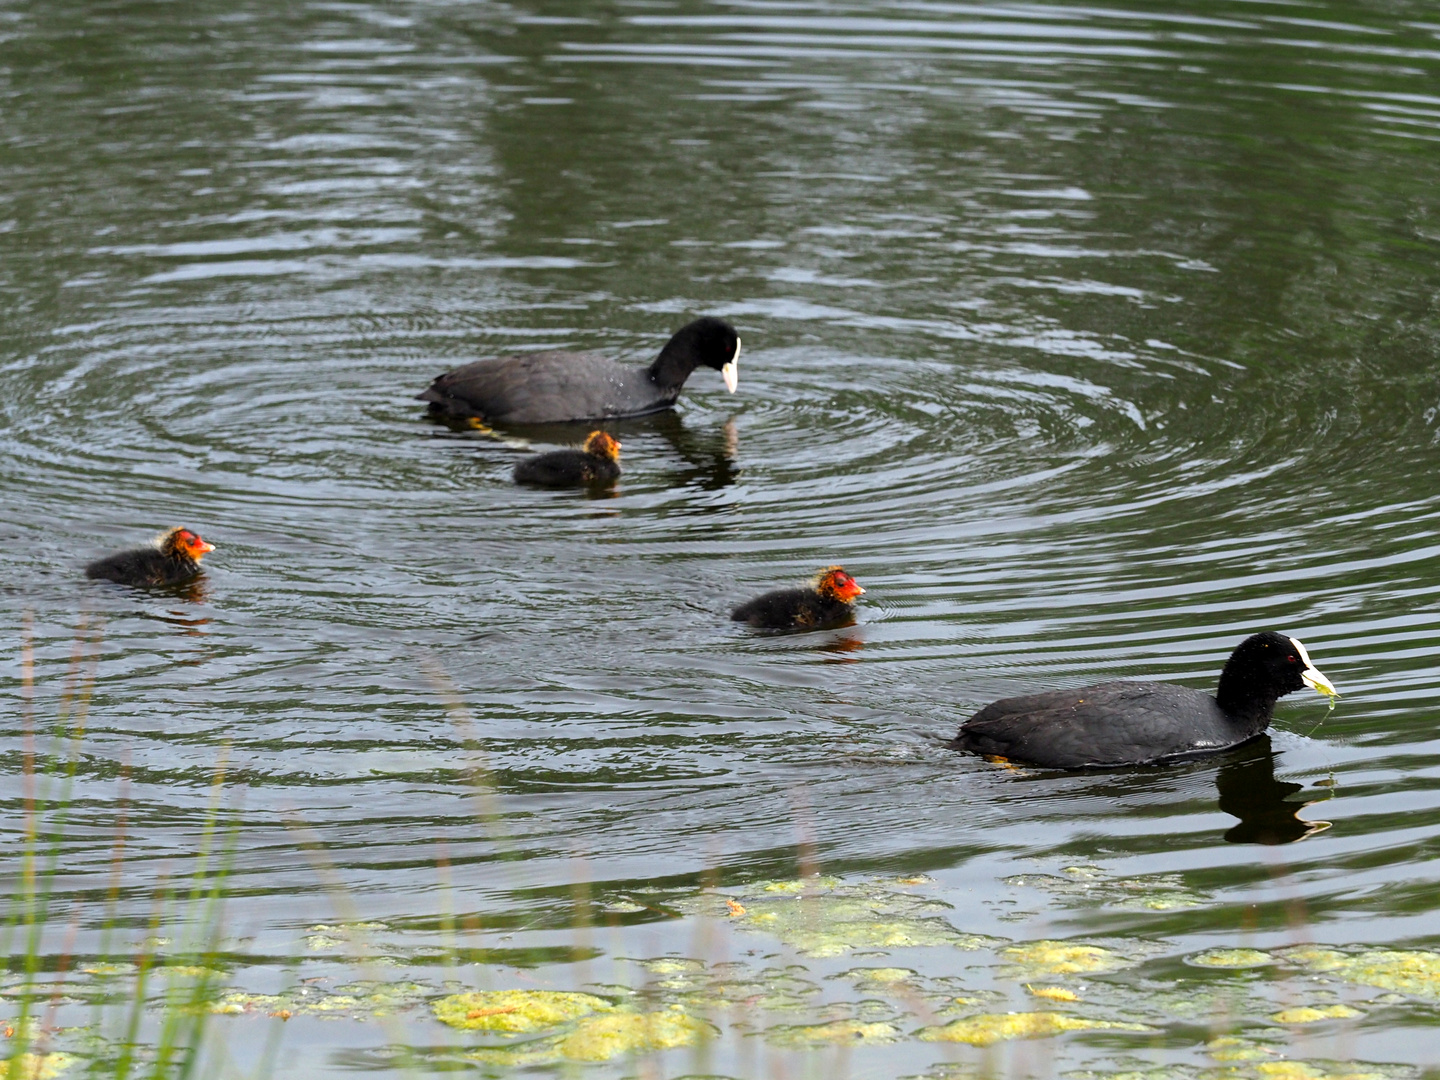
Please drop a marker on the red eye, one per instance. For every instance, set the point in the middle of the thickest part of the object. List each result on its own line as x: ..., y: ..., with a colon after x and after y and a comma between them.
x: 1291, y: 659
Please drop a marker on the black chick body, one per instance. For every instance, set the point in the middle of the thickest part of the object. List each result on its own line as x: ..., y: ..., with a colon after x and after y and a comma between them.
x: 597, y: 464
x: 174, y: 558
x: 1139, y: 723
x: 828, y: 603
x: 553, y: 387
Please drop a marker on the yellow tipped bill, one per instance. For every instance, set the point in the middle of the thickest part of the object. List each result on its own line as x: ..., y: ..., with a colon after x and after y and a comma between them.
x: 1311, y: 676
x: 729, y: 372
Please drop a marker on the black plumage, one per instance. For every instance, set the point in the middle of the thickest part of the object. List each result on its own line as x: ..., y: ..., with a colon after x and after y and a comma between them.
x: 595, y: 465
x: 828, y: 602
x: 551, y: 387
x: 172, y: 559
x: 1134, y: 723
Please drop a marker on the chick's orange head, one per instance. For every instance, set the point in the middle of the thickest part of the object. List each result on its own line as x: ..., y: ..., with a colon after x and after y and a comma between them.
x: 834, y: 581
x: 183, y: 540
x: 602, y: 445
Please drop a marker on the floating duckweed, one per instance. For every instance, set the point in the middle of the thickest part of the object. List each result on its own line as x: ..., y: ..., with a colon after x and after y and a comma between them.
x: 35, y: 1066
x: 238, y: 1001
x: 1168, y: 901
x: 846, y: 1032
x: 822, y: 918
x: 323, y: 936
x: 1301, y: 1070
x: 104, y: 968
x: 1231, y: 958
x: 1204, y: 1001
x: 332, y: 1003
x: 1156, y: 892
x: 193, y: 971
x: 773, y: 989
x: 622, y: 906
x: 515, y: 1010
x: 1310, y: 1014
x: 800, y: 885
x: 693, y: 986
x: 671, y: 965
x: 363, y: 999
x: 1059, y: 958
x: 1315, y: 959
x: 600, y: 1038
x: 538, y: 1052
x: 848, y: 930
x: 879, y: 977
x: 1229, y: 1048
x: 1053, y: 993
x: 383, y: 998
x: 1415, y: 972
x: 990, y: 1028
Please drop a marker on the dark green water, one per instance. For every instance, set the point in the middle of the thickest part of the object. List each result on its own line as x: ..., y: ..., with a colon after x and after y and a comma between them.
x: 1090, y: 339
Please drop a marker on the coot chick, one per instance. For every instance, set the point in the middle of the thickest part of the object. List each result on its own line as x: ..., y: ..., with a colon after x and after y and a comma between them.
x: 828, y: 602
x: 598, y: 463
x: 1140, y: 723
x: 550, y: 387
x: 174, y: 557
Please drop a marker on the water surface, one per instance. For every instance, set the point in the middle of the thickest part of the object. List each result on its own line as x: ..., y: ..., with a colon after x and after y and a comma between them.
x: 1090, y: 339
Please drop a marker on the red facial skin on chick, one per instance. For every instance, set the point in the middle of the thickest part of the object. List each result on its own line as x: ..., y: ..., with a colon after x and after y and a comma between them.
x: 184, y: 540
x: 835, y: 582
x: 602, y: 445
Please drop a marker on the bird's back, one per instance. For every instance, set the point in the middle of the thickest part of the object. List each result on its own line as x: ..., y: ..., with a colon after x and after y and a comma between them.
x: 546, y: 387
x: 142, y: 566
x: 566, y: 468
x: 786, y: 609
x: 1113, y: 723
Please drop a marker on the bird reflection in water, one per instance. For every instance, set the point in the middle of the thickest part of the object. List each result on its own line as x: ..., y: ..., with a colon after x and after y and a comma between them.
x: 842, y: 648
x: 706, y: 462
x: 192, y: 623
x: 707, y: 457
x: 1249, y: 791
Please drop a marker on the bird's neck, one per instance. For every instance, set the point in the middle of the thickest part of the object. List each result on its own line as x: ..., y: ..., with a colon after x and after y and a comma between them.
x: 177, y: 554
x: 1245, y: 704
x: 672, y: 367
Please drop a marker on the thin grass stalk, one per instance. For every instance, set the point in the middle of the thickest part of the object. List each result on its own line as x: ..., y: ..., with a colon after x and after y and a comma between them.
x: 183, y: 1030
x: 112, y: 895
x: 310, y: 844
x: 31, y: 906
x: 137, y: 1002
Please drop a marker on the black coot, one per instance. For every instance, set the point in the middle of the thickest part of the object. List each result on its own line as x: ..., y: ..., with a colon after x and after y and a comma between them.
x: 173, y: 558
x: 598, y: 463
x: 828, y: 601
x: 1137, y: 723
x: 551, y: 387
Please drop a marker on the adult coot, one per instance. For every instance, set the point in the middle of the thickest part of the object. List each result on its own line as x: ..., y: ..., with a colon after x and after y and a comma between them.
x: 174, y: 557
x: 598, y: 463
x: 828, y: 601
x: 1137, y: 723
x: 548, y: 387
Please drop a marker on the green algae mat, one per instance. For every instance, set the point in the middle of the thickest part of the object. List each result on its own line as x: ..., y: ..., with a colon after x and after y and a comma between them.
x: 879, y: 969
